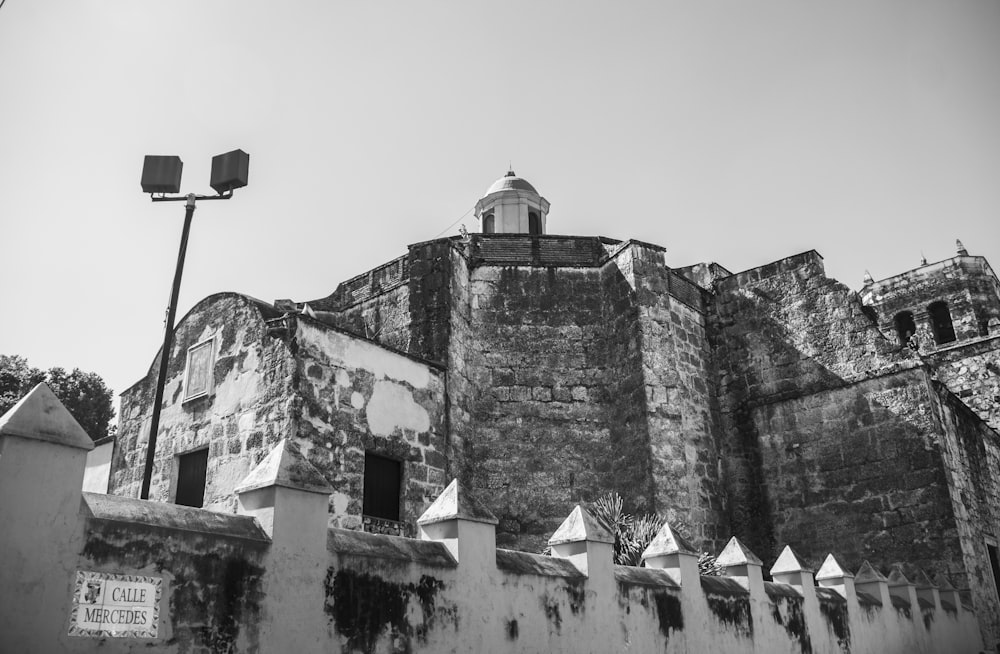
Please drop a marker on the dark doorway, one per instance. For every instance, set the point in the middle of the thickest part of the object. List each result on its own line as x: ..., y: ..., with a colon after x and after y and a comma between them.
x: 191, y: 471
x: 382, y: 484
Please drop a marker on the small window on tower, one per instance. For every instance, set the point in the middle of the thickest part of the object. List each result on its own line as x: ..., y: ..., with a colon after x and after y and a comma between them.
x: 382, y: 484
x: 905, y: 327
x: 944, y: 331
x: 534, y: 223
x: 191, y: 472
x: 488, y: 224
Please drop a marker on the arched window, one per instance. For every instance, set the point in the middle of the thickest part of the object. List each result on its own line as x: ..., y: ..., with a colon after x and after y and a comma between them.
x: 488, y: 224
x: 905, y: 327
x: 944, y: 331
x: 534, y: 223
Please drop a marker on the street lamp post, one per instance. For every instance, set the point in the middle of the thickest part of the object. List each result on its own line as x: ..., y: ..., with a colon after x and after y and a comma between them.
x: 161, y: 175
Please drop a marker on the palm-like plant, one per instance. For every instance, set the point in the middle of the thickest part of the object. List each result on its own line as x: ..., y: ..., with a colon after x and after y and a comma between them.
x: 633, y: 534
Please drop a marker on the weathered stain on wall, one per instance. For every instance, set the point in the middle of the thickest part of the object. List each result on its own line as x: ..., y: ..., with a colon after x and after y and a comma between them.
x: 729, y: 605
x: 833, y: 608
x: 357, y: 397
x: 788, y: 611
x: 366, y: 607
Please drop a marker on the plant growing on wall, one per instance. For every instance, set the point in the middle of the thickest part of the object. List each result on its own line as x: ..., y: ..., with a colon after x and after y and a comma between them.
x: 634, y: 533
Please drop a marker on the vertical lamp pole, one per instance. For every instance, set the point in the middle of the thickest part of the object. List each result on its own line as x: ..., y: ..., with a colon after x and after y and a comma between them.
x: 162, y: 175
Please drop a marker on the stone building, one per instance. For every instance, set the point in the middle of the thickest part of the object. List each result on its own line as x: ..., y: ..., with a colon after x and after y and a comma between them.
x: 543, y: 370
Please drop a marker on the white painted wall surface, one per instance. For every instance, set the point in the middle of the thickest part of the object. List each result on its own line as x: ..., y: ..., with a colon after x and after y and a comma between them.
x: 98, y: 472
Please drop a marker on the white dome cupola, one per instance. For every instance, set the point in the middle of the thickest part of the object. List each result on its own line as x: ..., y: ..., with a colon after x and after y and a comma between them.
x: 511, y: 205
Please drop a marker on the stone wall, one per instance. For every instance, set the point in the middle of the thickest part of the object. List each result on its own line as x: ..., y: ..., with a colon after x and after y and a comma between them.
x: 971, y: 370
x: 680, y: 397
x: 557, y: 377
x: 245, y: 413
x: 382, y: 317
x: 430, y: 299
x: 627, y: 419
x: 355, y: 396
x: 464, y: 358
x: 783, y: 331
x: 542, y: 439
x: 971, y: 455
x: 861, y: 466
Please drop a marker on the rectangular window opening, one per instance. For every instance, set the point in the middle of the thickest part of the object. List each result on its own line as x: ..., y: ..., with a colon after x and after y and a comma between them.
x: 192, y: 469
x: 383, y: 479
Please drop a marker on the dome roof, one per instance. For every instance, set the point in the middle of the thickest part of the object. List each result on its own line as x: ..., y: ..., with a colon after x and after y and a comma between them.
x: 510, y: 181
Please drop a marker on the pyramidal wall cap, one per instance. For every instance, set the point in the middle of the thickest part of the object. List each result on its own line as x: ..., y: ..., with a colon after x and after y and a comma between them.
x: 867, y: 574
x: 286, y: 466
x: 456, y: 503
x: 667, y: 541
x: 832, y: 568
x: 581, y: 526
x: 789, y: 561
x: 921, y: 580
x: 736, y: 553
x: 944, y: 584
x: 897, y: 578
x: 41, y: 416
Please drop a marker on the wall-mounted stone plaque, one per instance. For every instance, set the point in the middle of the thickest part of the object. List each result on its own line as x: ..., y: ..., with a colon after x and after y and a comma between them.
x: 198, y: 374
x: 113, y: 605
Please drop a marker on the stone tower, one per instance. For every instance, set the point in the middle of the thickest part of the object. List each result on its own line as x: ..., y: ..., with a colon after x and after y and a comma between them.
x: 941, y: 305
x: 511, y: 205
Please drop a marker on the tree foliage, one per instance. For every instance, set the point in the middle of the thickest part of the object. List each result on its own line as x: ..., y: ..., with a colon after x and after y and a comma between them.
x: 84, y: 394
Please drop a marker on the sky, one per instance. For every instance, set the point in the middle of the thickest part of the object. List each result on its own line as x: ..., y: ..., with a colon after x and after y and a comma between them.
x: 736, y: 132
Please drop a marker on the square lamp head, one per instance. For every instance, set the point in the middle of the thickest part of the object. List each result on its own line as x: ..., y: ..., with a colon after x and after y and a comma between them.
x: 229, y: 171
x: 161, y: 174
